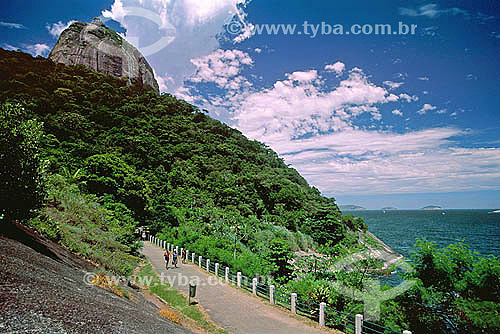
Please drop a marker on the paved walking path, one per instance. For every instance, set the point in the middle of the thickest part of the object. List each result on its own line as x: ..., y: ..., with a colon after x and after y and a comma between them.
x: 229, y: 308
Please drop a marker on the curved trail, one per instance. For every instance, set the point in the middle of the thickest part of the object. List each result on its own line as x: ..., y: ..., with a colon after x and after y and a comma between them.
x: 235, y: 311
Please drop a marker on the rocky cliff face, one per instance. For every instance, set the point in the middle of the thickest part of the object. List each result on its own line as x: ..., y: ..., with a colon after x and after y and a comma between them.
x: 102, y: 49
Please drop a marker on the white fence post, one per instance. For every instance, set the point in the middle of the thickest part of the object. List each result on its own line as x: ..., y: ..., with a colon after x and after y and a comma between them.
x: 192, y: 257
x: 238, y: 279
x: 293, y: 303
x: 177, y: 249
x: 168, y: 246
x: 216, y: 269
x: 187, y: 255
x: 199, y: 261
x: 227, y: 275
x: 208, y: 265
x: 254, y: 286
x: 322, y: 313
x: 271, y: 294
x: 359, y: 323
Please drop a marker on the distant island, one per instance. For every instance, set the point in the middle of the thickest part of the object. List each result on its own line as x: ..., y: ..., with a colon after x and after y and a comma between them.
x: 351, y: 207
x: 389, y: 208
x: 432, y: 207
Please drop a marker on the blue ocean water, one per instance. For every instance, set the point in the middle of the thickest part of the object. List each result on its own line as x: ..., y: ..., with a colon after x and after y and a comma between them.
x: 400, y: 228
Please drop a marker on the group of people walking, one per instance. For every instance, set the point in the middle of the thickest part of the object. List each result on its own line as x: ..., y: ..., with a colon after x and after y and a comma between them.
x: 175, y: 257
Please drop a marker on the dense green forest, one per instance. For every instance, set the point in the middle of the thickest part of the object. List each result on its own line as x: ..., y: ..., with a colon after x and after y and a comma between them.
x: 163, y: 163
x: 86, y: 159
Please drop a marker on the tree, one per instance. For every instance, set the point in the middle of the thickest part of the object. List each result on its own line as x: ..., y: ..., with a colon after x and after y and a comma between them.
x: 21, y: 186
x: 279, y: 255
x: 457, y: 291
x: 109, y: 174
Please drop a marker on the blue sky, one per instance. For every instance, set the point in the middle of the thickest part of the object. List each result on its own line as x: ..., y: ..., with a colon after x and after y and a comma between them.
x: 375, y: 120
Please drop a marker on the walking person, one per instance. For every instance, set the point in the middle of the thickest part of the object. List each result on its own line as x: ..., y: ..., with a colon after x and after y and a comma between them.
x: 184, y: 256
x: 174, y: 259
x: 166, y: 257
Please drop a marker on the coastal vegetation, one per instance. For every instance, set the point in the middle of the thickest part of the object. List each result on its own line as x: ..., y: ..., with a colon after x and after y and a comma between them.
x: 86, y: 160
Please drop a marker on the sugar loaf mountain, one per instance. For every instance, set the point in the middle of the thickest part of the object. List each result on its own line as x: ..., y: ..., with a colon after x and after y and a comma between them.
x: 90, y: 151
x: 103, y: 50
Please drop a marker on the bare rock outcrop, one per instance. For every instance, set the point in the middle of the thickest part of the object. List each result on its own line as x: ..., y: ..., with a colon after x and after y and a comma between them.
x: 102, y: 49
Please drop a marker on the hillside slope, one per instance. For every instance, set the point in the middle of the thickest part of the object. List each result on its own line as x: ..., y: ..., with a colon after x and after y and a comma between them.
x: 166, y: 164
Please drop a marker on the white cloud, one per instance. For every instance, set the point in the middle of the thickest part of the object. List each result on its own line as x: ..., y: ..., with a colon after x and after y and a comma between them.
x: 9, y: 47
x: 426, y: 107
x: 11, y: 25
x: 430, y: 31
x: 55, y: 29
x: 408, y: 98
x: 393, y: 85
x: 432, y: 11
x: 194, y: 27
x: 222, y: 67
x: 314, y: 128
x: 307, y: 76
x: 423, y: 78
x: 117, y: 12
x: 357, y: 162
x: 338, y: 67
x: 162, y: 81
x: 38, y: 49
x: 258, y: 50
x: 292, y: 108
x: 198, y: 12
x: 442, y: 111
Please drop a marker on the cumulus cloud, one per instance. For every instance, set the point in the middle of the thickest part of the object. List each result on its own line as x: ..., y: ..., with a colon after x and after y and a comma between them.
x: 301, y: 76
x: 314, y: 128
x: 423, y: 78
x: 338, y: 67
x: 199, y: 12
x: 425, y: 108
x: 55, y: 29
x: 192, y: 27
x: 258, y: 50
x: 38, y: 49
x: 408, y: 98
x: 432, y: 11
x: 163, y: 81
x: 393, y: 85
x: 11, y: 25
x: 300, y: 105
x: 222, y: 68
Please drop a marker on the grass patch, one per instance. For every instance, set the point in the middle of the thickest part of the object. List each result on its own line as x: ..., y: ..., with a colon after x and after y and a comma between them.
x: 101, y: 280
x: 81, y: 224
x: 176, y: 300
